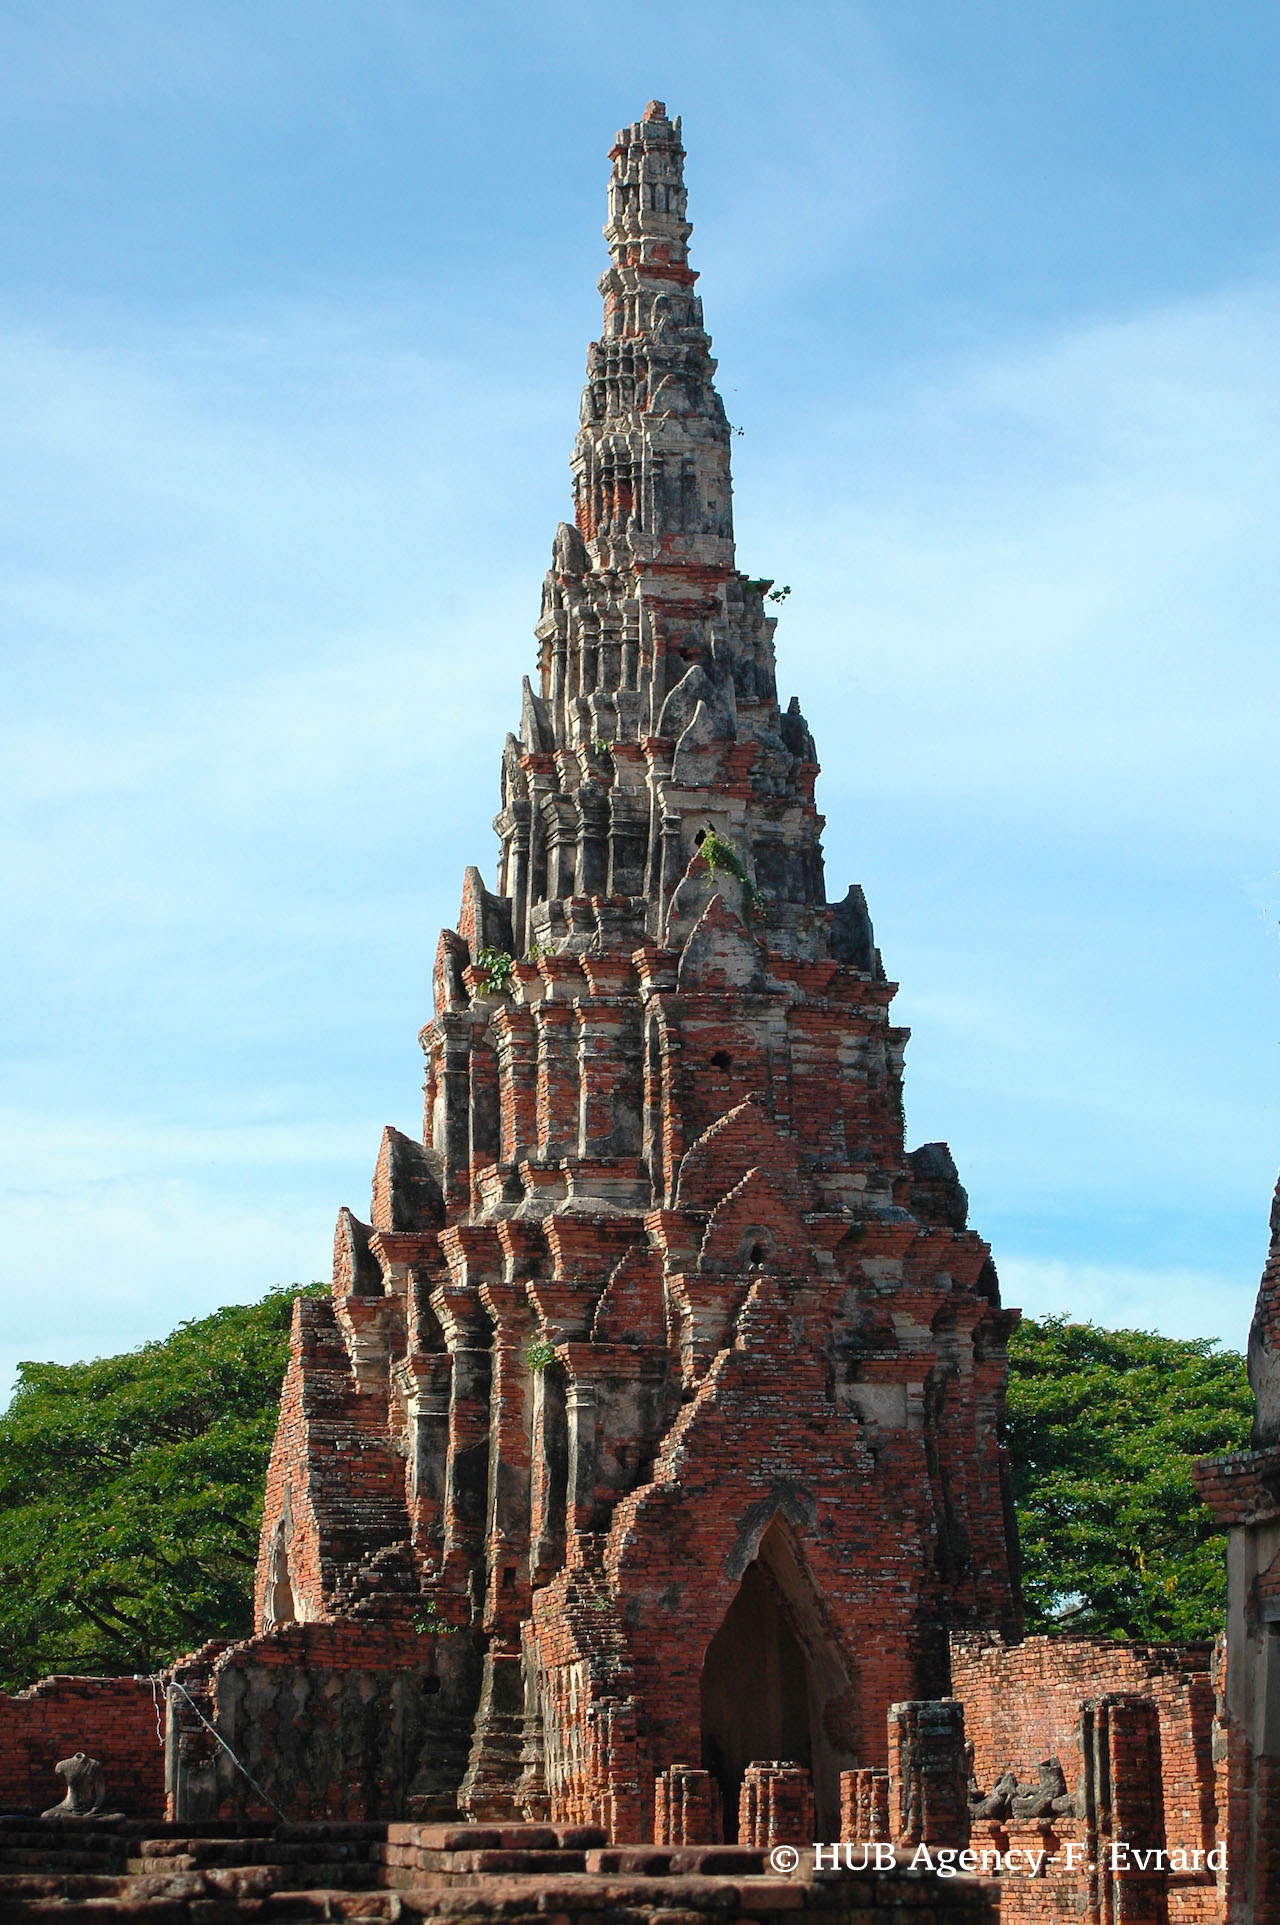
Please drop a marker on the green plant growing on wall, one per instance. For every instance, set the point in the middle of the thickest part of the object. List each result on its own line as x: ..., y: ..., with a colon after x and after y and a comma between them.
x: 496, y: 966
x: 428, y: 1623
x: 721, y: 857
x: 540, y: 1354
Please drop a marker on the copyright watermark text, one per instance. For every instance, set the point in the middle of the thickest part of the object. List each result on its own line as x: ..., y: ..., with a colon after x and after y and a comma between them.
x: 949, y: 1861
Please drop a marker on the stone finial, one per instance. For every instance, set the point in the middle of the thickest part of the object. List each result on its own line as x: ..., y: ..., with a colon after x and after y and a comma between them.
x: 647, y: 229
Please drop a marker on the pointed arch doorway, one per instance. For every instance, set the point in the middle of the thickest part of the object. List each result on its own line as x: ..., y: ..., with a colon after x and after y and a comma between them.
x: 769, y: 1676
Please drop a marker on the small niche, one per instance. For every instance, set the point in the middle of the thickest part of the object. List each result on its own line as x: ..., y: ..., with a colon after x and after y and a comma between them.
x: 721, y: 1059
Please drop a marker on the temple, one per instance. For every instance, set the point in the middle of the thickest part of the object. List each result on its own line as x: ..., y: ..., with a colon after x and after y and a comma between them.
x: 639, y: 1487
x: 662, y: 1375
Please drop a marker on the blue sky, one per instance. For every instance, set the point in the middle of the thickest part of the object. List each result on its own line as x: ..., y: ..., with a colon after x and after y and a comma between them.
x: 292, y: 329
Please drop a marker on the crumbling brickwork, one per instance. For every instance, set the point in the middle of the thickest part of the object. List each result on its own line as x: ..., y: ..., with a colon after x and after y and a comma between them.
x: 660, y: 1362
x: 1022, y: 1704
x: 641, y: 1477
x: 1243, y: 1491
x: 1132, y: 1728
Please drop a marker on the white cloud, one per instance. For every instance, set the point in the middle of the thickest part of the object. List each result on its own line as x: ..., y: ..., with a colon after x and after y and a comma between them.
x: 1050, y: 575
x: 1178, y: 1303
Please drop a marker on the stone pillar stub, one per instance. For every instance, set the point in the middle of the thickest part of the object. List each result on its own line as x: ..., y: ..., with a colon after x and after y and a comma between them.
x: 775, y: 1805
x: 686, y: 1807
x: 928, y: 1781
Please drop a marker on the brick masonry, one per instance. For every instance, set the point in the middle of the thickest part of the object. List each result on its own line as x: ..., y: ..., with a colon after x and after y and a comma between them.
x: 1243, y: 1491
x: 642, y: 1471
x: 112, y: 1719
x: 659, y: 1358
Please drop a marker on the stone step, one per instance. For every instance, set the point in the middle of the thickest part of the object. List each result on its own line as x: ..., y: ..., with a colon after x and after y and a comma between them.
x: 37, y: 1884
x: 680, y: 1861
x: 354, y: 1908
x: 121, y: 1911
x: 415, y: 1857
x: 154, y: 1854
x: 484, y: 1837
x: 312, y: 1870
x: 47, y: 1858
x: 30, y: 1837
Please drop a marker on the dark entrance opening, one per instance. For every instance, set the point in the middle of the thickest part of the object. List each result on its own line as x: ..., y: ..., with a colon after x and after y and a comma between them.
x: 755, y: 1691
x: 776, y: 1683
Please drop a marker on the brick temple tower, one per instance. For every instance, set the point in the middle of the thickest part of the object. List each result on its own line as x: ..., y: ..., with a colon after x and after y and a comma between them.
x: 660, y: 1396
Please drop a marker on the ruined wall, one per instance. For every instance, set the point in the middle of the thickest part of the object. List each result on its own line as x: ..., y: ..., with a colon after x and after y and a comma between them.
x: 335, y: 1486
x: 111, y: 1719
x: 1022, y: 1704
x: 353, y: 1719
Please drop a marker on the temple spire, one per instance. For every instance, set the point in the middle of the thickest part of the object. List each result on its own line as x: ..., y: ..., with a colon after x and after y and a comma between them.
x: 652, y: 490
x: 647, y: 229
x: 654, y: 715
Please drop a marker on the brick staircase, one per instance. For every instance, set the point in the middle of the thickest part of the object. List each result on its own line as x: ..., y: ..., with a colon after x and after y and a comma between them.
x: 74, y: 1871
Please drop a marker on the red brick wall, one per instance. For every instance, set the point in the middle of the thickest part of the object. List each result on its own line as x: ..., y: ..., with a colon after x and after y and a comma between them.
x: 111, y: 1719
x: 1022, y: 1703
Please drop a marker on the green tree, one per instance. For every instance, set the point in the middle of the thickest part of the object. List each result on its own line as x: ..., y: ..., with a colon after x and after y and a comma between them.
x: 131, y: 1496
x: 1104, y: 1426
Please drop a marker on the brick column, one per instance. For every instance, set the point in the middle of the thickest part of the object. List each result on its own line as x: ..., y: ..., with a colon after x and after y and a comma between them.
x: 468, y: 1334
x: 427, y: 1398
x: 1124, y: 1808
x: 451, y: 1124
x: 490, y: 1787
x: 510, y: 1426
x: 928, y: 1782
x: 517, y: 1047
x: 864, y: 1806
x: 557, y: 1026
x: 592, y: 871
x: 550, y: 1472
x: 518, y: 870
x: 686, y: 1808
x: 580, y: 1493
x: 775, y: 1806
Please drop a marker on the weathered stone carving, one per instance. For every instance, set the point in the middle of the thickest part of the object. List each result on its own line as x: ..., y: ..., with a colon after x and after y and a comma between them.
x: 86, y: 1788
x: 1047, y: 1797
x: 995, y: 1803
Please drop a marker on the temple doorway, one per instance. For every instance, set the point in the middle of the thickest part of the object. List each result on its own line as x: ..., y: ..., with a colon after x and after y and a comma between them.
x: 769, y: 1673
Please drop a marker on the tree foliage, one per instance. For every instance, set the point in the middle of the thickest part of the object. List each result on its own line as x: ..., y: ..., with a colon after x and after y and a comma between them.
x: 1104, y: 1426
x: 131, y: 1495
